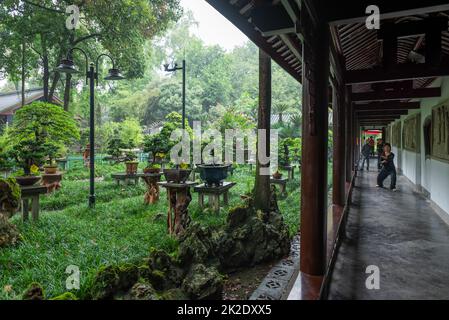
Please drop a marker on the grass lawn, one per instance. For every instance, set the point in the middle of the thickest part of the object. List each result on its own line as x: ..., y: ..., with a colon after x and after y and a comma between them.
x: 120, y: 229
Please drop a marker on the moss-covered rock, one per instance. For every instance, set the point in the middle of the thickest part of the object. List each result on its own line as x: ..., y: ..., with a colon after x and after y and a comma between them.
x: 198, y: 245
x: 252, y: 237
x: 34, y: 292
x: 142, y: 291
x: 112, y: 281
x: 10, y: 195
x: 203, y: 283
x: 9, y: 235
x: 65, y: 296
x: 163, y: 271
x: 174, y: 294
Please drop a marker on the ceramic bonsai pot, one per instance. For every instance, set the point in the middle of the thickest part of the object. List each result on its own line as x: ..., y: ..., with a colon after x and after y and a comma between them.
x: 176, y: 175
x: 27, y: 181
x: 149, y: 170
x: 131, y: 167
x: 213, y: 175
x: 277, y: 175
x: 51, y: 169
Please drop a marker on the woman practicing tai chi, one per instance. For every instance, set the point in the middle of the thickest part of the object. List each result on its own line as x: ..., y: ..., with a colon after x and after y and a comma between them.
x: 388, y: 168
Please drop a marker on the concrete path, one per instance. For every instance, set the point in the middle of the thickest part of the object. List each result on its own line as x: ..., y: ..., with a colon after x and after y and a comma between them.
x: 400, y: 234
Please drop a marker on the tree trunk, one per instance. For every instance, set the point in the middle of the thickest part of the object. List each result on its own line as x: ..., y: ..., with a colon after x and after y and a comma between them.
x: 23, y: 73
x: 262, y: 183
x: 54, y: 83
x: 45, y: 66
x: 68, y: 79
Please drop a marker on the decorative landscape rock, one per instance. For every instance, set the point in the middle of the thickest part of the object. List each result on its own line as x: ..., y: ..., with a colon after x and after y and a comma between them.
x: 34, y: 292
x: 249, y: 237
x: 9, y: 235
x: 199, y: 244
x: 252, y: 237
x: 203, y: 283
x: 112, y: 281
x: 9, y: 203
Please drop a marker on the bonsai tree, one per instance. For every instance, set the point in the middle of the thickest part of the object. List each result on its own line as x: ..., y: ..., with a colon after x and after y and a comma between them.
x: 6, y: 161
x: 37, y: 129
x: 115, y: 146
x: 160, y: 144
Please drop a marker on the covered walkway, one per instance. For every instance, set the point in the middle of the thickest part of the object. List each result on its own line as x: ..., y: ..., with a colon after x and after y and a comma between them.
x: 401, y: 234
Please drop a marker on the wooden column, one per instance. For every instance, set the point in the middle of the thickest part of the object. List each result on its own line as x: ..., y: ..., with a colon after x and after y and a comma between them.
x: 338, y: 190
x: 315, y: 85
x: 262, y: 183
x: 348, y: 126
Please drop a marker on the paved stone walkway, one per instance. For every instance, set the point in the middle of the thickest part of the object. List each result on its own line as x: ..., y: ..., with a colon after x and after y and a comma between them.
x: 400, y: 234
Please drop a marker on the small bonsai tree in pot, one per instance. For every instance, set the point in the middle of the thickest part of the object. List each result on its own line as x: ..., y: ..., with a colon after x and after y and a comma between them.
x: 131, y: 163
x: 116, y: 146
x: 157, y: 145
x: 37, y: 127
x: 51, y: 167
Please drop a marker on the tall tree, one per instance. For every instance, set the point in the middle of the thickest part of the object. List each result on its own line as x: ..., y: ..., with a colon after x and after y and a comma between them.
x: 117, y: 26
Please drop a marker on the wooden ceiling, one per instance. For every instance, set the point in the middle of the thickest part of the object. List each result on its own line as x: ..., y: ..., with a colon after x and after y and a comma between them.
x: 381, y: 70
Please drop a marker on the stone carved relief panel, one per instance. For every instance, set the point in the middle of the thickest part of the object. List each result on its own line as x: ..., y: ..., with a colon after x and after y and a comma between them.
x: 396, y: 135
x: 411, y: 133
x: 440, y: 132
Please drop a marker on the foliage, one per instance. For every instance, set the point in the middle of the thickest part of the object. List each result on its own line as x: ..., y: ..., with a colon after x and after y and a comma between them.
x: 289, y: 151
x: 10, y: 194
x: 160, y: 144
x: 118, y: 27
x: 38, y: 130
x: 115, y: 145
x: 6, y: 161
x: 121, y: 229
x: 126, y: 134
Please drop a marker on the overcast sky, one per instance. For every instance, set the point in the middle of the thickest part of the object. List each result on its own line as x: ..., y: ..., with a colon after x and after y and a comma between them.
x: 213, y: 27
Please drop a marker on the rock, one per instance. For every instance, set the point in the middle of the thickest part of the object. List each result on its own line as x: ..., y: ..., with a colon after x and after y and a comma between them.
x: 203, y: 283
x: 163, y: 271
x: 198, y: 245
x: 9, y: 235
x: 65, y: 296
x: 174, y: 294
x: 142, y: 291
x: 252, y: 237
x: 113, y: 280
x: 34, y: 292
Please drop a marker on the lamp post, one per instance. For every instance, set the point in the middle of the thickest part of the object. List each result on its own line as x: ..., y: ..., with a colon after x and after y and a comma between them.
x: 183, y: 68
x: 67, y: 66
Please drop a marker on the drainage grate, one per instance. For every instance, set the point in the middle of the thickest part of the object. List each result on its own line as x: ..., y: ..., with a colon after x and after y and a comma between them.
x: 276, y: 282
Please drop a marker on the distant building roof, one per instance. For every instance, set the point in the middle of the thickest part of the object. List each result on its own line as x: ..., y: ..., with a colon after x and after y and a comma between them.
x: 11, y: 101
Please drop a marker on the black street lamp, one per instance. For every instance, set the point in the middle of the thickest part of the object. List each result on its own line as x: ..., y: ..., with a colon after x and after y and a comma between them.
x: 183, y: 68
x: 67, y: 66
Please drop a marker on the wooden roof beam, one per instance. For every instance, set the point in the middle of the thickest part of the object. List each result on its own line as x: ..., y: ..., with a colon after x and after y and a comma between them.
x: 381, y: 113
x: 353, y: 11
x: 399, y: 73
x: 387, y: 106
x: 399, y: 94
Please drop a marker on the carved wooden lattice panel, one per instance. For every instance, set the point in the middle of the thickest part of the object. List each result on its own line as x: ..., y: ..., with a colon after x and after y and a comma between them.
x: 440, y: 132
x: 411, y: 133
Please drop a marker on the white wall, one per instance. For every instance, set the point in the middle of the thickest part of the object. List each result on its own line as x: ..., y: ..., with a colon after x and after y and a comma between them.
x: 427, y: 173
